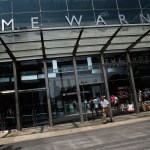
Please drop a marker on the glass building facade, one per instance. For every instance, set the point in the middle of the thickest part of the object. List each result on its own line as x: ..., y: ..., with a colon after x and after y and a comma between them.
x: 57, y: 55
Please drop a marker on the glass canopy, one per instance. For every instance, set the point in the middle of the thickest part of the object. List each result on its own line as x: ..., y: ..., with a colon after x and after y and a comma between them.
x: 62, y: 42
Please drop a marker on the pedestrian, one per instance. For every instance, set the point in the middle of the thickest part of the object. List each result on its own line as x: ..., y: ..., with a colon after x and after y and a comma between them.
x: 105, y: 109
x: 96, y: 106
x: 91, y: 103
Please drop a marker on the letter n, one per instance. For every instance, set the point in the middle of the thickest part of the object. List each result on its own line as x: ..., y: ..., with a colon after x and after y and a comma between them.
x: 144, y: 18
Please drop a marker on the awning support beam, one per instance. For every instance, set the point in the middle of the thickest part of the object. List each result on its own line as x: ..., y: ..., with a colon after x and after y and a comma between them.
x: 43, y: 46
x: 109, y: 41
x: 46, y: 80
x: 77, y: 43
x: 8, y: 50
x: 137, y: 41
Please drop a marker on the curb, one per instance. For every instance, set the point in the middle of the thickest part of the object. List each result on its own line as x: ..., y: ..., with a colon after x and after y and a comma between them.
x: 21, y: 138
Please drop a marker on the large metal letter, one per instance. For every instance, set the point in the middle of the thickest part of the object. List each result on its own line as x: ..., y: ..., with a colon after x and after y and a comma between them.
x: 34, y: 22
x: 7, y: 24
x: 100, y: 20
x: 144, y: 18
x: 74, y: 18
x: 122, y: 19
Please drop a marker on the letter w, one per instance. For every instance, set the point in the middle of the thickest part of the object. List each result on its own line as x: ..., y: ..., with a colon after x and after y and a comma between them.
x: 74, y: 18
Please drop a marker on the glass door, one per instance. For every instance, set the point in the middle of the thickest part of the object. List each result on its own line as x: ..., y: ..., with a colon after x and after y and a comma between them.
x: 7, y: 110
x: 33, y: 105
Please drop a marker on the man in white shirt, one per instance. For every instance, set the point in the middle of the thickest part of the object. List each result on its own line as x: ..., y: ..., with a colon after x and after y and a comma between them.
x: 105, y: 109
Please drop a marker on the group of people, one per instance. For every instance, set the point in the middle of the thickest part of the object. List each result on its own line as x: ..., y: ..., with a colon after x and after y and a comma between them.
x: 96, y: 104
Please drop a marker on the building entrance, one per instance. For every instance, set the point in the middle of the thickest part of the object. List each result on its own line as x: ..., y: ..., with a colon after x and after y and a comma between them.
x: 33, y: 107
x: 7, y: 110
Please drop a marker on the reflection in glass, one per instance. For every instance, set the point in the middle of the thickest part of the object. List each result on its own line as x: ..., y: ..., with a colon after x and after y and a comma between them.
x: 119, y: 83
x: 145, y: 3
x: 50, y: 19
x: 62, y: 87
x: 6, y: 77
x: 51, y: 5
x: 33, y: 108
x: 23, y: 20
x: 132, y: 16
x: 31, y: 74
x: 91, y: 82
x: 141, y: 71
x: 5, y: 6
x: 87, y: 17
x: 109, y: 16
x: 128, y: 4
x: 79, y: 4
x: 26, y: 5
x: 104, y: 4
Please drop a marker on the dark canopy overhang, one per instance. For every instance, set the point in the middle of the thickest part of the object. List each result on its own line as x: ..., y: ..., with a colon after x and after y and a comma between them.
x: 63, y: 42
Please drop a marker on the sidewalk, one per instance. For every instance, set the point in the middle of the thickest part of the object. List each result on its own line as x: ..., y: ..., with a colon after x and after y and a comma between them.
x: 69, y: 128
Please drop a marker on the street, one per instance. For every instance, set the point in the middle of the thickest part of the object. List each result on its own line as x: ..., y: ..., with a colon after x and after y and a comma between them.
x: 134, y: 136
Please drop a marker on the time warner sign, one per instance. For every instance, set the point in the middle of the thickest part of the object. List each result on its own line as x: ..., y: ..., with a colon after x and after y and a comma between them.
x: 74, y: 19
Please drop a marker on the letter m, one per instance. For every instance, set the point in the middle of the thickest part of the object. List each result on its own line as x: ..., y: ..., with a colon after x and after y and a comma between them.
x: 11, y: 22
x: 74, y: 18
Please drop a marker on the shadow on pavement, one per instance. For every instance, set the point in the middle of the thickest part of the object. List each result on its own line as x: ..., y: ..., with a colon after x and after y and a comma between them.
x: 10, y: 147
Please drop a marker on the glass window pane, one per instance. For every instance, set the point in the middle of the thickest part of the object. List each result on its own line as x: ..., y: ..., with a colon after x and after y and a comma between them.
x: 141, y: 70
x: 145, y: 3
x: 28, y: 76
x: 26, y: 5
x: 62, y: 87
x: 138, y: 30
x: 49, y: 5
x: 79, y: 4
x: 120, y: 46
x: 6, y: 76
x: 87, y: 17
x: 5, y: 6
x: 128, y: 4
x: 23, y: 20
x: 27, y: 53
x: 53, y: 19
x: 61, y: 34
x: 104, y: 4
x: 109, y: 16
x: 22, y: 37
x: 24, y: 46
x: 132, y: 16
x: 64, y: 43
x: 146, y: 13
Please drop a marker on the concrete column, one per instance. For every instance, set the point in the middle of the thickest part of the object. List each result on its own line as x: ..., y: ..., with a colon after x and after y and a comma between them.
x: 106, y: 81
x: 78, y: 89
x: 16, y: 96
x: 133, y: 83
x: 48, y: 93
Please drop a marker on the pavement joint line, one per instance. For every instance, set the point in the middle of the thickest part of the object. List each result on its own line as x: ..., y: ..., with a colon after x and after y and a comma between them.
x: 50, y: 134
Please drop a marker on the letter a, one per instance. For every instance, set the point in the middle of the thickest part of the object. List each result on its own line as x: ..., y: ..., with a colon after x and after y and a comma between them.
x: 100, y: 20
